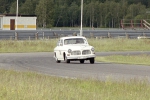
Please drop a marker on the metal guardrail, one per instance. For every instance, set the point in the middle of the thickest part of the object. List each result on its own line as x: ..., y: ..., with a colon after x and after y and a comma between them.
x: 49, y: 34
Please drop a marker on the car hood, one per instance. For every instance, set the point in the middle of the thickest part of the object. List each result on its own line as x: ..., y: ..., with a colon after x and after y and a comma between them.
x: 78, y: 47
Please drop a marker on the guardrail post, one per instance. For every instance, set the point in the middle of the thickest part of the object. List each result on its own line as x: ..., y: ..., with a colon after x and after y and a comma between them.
x: 36, y: 36
x: 16, y: 36
x: 109, y: 35
x: 10, y: 37
x: 127, y: 36
x: 144, y: 34
x: 91, y: 35
x: 56, y: 35
x: 43, y: 35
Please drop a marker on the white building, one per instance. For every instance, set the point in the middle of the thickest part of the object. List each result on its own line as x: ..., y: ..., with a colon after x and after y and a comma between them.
x: 22, y: 22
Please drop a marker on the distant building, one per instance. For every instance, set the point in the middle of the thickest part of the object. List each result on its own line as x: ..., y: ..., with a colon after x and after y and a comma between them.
x: 22, y: 22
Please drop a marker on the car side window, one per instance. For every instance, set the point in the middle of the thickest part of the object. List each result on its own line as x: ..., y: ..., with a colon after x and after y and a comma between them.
x: 60, y: 43
x: 79, y: 40
x: 66, y: 42
x: 85, y: 41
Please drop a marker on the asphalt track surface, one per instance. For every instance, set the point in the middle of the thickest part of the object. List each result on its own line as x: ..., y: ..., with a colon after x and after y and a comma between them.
x: 43, y: 62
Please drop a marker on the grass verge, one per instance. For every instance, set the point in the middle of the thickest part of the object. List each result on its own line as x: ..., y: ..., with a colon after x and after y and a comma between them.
x: 120, y: 44
x: 99, y: 45
x: 142, y: 59
x: 32, y: 86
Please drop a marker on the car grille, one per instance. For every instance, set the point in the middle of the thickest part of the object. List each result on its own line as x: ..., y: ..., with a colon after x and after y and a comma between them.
x: 85, y: 52
x: 75, y: 53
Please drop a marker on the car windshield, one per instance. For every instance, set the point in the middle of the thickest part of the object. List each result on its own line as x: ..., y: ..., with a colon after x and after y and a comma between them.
x: 74, y: 41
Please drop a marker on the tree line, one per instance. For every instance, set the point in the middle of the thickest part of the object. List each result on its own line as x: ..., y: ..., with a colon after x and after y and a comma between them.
x: 67, y: 13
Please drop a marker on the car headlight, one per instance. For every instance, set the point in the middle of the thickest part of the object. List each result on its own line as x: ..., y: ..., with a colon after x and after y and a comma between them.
x: 69, y: 50
x: 92, y: 49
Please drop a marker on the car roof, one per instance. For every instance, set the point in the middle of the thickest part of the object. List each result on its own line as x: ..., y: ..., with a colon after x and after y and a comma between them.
x: 68, y: 37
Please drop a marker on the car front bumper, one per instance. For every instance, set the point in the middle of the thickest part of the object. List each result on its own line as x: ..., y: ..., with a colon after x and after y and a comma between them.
x: 79, y: 57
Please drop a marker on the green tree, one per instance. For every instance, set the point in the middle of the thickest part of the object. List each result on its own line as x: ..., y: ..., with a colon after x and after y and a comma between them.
x: 27, y: 8
x: 44, y: 13
x: 50, y: 13
x: 65, y: 13
x: 102, y: 14
x: 61, y: 15
x: 41, y: 13
x: 73, y: 13
x: 97, y: 14
x: 13, y: 8
x: 2, y: 6
x: 89, y: 14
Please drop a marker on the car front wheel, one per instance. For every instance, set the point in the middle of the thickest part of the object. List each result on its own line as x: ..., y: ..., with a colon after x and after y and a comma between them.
x: 81, y: 61
x: 92, y: 60
x: 67, y: 60
x: 57, y: 61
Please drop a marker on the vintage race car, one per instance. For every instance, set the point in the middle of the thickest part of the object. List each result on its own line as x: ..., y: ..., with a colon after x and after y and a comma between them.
x: 74, y: 48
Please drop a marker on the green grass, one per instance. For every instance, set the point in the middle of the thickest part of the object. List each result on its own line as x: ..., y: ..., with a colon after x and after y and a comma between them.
x: 120, y: 44
x: 33, y: 86
x: 99, y: 45
x: 130, y: 59
x: 10, y: 46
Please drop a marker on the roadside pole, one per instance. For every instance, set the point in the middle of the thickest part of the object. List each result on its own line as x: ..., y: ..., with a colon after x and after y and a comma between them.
x: 16, y: 15
x: 81, y: 31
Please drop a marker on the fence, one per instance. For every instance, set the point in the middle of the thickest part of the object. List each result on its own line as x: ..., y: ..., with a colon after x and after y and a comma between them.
x: 94, y: 34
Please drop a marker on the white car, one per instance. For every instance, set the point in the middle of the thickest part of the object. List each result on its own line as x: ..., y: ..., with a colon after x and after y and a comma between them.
x: 74, y: 48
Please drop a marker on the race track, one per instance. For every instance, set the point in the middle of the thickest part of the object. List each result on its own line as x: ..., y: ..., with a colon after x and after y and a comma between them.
x: 44, y: 63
